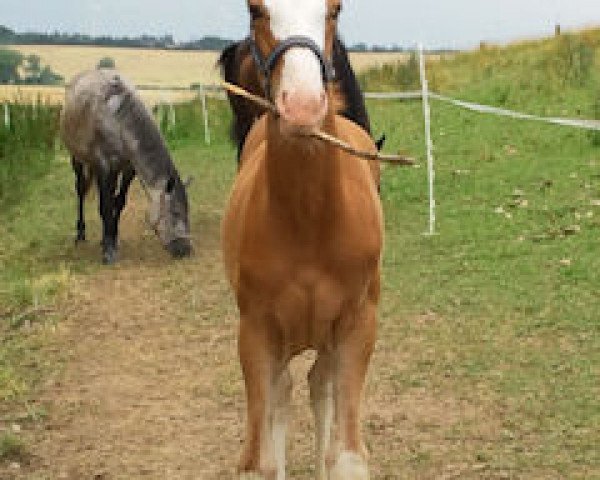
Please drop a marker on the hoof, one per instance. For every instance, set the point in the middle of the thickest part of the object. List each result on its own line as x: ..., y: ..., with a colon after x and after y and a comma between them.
x: 109, y: 256
x: 80, y: 238
x: 349, y: 466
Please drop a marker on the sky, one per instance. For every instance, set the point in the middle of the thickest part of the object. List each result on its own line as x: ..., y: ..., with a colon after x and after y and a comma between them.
x: 435, y: 23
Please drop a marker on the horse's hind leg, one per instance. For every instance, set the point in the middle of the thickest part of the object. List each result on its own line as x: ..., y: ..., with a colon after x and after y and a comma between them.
x: 107, y: 181
x: 82, y: 185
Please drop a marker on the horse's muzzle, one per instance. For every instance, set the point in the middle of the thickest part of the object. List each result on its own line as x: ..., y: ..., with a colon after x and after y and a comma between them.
x: 180, y: 247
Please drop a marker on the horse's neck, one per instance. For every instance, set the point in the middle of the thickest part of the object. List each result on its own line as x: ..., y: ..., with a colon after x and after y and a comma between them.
x: 151, y: 163
x: 303, y: 178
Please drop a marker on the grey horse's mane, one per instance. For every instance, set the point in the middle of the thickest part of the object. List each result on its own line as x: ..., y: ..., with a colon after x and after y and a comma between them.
x: 132, y: 113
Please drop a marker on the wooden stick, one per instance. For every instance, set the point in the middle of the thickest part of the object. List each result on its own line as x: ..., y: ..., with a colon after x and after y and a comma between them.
x: 375, y: 156
x: 379, y: 157
x: 240, y: 92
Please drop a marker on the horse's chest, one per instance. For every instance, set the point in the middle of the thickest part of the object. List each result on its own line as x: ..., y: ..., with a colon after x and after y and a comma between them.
x: 306, y: 306
x: 310, y: 294
x: 304, y: 300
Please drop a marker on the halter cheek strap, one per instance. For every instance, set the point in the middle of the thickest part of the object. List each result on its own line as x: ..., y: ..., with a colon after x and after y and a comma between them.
x: 266, y: 66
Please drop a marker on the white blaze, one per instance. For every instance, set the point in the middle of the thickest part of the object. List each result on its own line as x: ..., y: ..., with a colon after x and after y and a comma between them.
x: 301, y: 67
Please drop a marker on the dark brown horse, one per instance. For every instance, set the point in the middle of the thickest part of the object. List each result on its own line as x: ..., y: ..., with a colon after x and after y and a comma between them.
x: 302, y: 238
x: 240, y: 67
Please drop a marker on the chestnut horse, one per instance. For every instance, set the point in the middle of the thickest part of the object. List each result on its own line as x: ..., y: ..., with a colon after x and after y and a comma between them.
x: 302, y: 239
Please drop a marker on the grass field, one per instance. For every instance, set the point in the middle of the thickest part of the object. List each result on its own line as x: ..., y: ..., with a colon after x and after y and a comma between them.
x: 144, y: 67
x: 488, y: 357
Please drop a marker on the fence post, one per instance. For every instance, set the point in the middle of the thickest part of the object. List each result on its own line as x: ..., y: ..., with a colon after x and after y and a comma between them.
x: 429, y: 144
x: 205, y: 115
x: 6, y: 115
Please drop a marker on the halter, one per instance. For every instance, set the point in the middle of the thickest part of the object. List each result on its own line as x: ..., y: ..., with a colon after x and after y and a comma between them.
x: 267, y: 65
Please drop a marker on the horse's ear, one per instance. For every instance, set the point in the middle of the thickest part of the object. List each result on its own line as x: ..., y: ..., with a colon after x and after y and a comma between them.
x: 188, y: 181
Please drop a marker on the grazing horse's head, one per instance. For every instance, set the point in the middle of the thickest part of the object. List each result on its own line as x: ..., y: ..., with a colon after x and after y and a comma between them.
x: 292, y: 43
x: 168, y: 216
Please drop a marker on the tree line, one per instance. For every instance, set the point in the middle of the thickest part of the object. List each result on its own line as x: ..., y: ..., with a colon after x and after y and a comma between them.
x: 10, y: 37
x: 210, y: 42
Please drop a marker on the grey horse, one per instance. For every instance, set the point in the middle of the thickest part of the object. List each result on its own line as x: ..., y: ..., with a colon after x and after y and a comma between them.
x: 112, y: 136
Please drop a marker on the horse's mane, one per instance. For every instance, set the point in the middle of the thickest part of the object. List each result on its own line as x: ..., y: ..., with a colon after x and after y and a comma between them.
x: 355, y: 108
x: 133, y: 115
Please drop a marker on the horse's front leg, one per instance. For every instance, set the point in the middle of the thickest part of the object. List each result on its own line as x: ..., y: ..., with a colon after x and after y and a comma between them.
x: 127, y: 177
x: 281, y: 392
x: 258, y: 456
x: 320, y: 381
x: 352, y: 356
x: 120, y: 199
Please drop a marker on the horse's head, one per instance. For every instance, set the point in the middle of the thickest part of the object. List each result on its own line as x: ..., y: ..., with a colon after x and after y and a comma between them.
x: 292, y: 45
x: 168, y: 216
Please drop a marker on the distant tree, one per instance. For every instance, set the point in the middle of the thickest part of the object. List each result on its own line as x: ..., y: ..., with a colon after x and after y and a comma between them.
x: 48, y: 77
x: 105, y: 62
x: 32, y: 65
x: 10, y: 61
x: 6, y: 34
x: 360, y: 47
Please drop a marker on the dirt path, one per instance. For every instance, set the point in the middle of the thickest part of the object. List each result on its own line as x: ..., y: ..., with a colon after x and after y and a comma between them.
x: 145, y: 345
x: 151, y: 386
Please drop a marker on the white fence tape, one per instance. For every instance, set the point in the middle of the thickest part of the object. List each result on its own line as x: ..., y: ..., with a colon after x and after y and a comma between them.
x: 393, y: 95
x: 476, y: 107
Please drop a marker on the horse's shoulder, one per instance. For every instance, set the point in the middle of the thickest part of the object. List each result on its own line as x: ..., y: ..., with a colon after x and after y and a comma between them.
x: 361, y: 140
x: 256, y: 136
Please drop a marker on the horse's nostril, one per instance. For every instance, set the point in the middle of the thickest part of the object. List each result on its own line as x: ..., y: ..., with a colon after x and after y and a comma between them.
x: 302, y: 108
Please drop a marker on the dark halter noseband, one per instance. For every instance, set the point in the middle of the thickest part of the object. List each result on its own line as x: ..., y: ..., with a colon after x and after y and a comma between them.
x: 266, y: 66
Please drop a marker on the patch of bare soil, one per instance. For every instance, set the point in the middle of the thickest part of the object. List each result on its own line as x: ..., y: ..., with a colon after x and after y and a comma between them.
x: 151, y: 386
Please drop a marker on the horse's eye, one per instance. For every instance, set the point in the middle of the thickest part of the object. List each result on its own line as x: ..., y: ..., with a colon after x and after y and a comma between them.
x: 256, y: 12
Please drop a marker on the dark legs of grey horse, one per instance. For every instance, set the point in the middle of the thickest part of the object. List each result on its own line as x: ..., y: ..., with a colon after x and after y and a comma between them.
x: 111, y: 207
x: 81, y: 186
x: 107, y: 182
x: 121, y: 199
